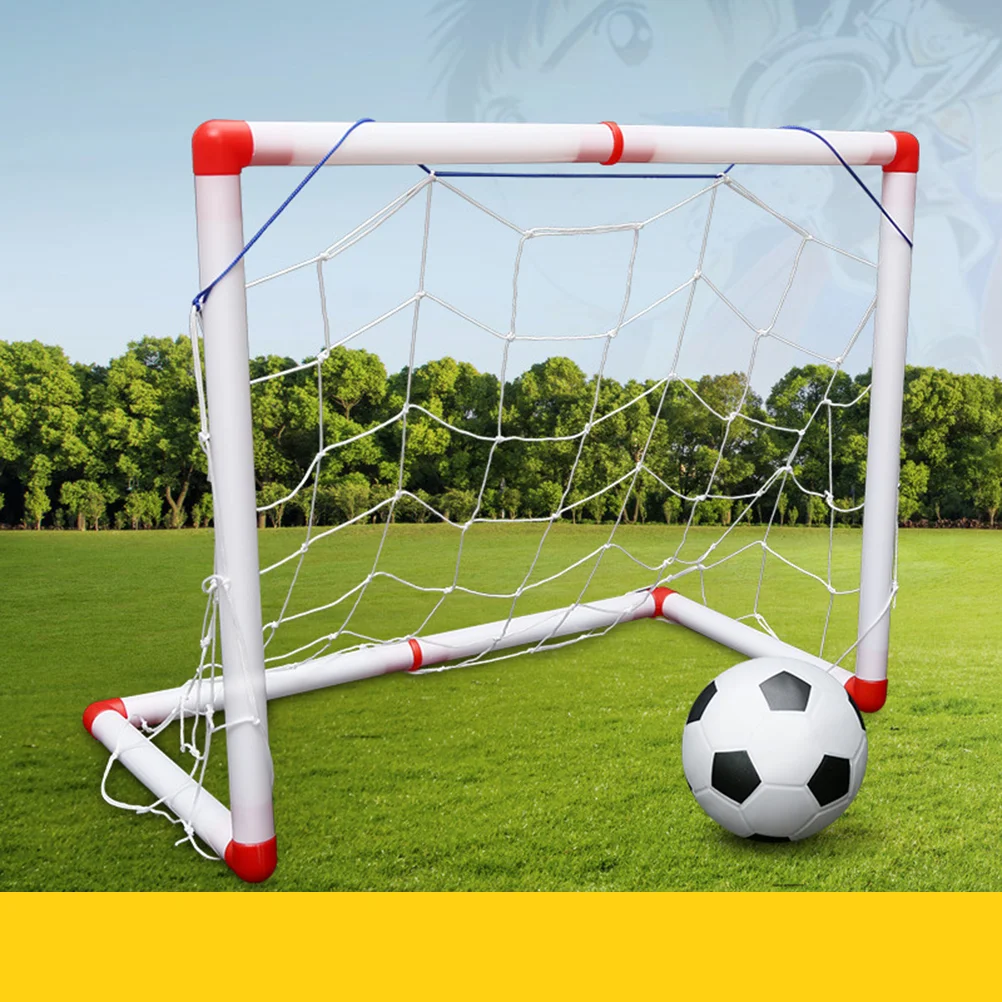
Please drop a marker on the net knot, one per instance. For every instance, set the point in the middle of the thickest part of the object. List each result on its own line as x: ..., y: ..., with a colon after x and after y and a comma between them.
x: 212, y: 584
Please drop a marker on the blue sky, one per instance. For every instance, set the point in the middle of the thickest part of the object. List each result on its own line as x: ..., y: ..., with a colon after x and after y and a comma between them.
x: 101, y: 99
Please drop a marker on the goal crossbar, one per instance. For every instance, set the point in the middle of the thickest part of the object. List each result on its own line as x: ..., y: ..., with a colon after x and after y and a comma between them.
x: 226, y: 147
x: 244, y: 833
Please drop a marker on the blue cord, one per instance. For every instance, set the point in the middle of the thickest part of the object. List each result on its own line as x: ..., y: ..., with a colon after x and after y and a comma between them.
x: 199, y: 301
x: 566, y: 174
x: 869, y: 194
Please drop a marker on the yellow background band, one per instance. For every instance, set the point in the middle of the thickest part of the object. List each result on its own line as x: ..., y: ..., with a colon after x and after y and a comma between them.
x: 809, y: 947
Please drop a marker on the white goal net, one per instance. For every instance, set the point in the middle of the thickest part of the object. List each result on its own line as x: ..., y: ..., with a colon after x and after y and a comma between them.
x: 547, y: 438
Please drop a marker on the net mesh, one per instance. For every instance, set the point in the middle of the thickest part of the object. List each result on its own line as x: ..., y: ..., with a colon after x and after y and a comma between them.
x: 630, y: 428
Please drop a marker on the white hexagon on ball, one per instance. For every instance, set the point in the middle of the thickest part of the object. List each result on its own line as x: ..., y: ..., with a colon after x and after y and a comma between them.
x: 774, y: 749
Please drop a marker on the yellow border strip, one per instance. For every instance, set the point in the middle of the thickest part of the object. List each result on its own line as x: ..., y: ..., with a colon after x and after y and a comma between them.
x: 472, y: 946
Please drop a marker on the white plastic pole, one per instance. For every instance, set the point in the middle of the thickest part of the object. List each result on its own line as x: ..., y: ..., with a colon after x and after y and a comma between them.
x: 165, y: 779
x: 307, y: 143
x: 404, y: 655
x: 880, y: 510
x: 453, y: 645
x: 739, y: 636
x: 231, y: 449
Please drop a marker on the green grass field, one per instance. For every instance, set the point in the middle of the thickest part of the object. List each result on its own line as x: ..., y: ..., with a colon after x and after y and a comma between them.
x: 558, y: 771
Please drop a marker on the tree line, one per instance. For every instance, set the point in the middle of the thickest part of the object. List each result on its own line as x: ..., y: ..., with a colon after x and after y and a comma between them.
x: 116, y: 446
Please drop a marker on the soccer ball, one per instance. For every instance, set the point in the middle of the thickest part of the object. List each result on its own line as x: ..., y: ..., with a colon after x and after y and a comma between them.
x: 774, y: 749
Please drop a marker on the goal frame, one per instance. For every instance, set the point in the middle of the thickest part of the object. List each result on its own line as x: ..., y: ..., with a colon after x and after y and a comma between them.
x: 244, y: 833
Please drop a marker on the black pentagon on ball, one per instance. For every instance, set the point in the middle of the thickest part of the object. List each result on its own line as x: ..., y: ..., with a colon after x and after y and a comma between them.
x: 786, y: 692
x: 830, y: 781
x: 852, y: 703
x: 734, y: 775
x: 701, y: 701
x: 769, y: 838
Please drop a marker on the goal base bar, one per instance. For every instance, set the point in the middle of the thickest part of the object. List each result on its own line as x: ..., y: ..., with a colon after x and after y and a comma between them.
x: 117, y: 723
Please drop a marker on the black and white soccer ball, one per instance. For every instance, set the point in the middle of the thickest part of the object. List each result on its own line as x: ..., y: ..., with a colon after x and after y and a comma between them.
x: 774, y: 749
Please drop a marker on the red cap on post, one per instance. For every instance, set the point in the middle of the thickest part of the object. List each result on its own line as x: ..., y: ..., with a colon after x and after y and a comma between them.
x: 95, y: 709
x: 221, y: 147
x: 906, y: 160
x: 868, y: 696
x: 252, y: 863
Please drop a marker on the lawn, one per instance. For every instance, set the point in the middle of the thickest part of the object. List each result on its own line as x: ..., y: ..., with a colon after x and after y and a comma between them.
x: 558, y: 771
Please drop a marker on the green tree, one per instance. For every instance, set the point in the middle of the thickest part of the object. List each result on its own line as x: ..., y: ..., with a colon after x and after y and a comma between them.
x: 544, y: 499
x: 913, y: 481
x: 143, y: 509
x: 144, y: 424
x: 351, y: 496
x: 672, y: 509
x: 782, y: 503
x: 272, y: 494
x: 987, y: 481
x: 457, y: 504
x: 815, y: 510
x: 40, y: 403
x: 551, y: 401
x: 284, y: 419
x: 446, y: 398
x: 201, y: 511
x: 816, y: 399
x: 353, y: 376
x: 36, y: 497
x: 413, y: 507
x: 85, y: 500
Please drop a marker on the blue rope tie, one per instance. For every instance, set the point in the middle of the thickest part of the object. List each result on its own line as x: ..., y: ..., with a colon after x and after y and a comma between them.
x: 570, y: 174
x: 869, y: 194
x: 199, y: 301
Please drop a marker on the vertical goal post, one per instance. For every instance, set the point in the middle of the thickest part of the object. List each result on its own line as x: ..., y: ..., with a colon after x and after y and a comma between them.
x: 244, y: 834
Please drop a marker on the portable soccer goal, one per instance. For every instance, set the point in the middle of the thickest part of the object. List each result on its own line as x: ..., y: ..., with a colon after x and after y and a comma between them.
x: 741, y: 267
